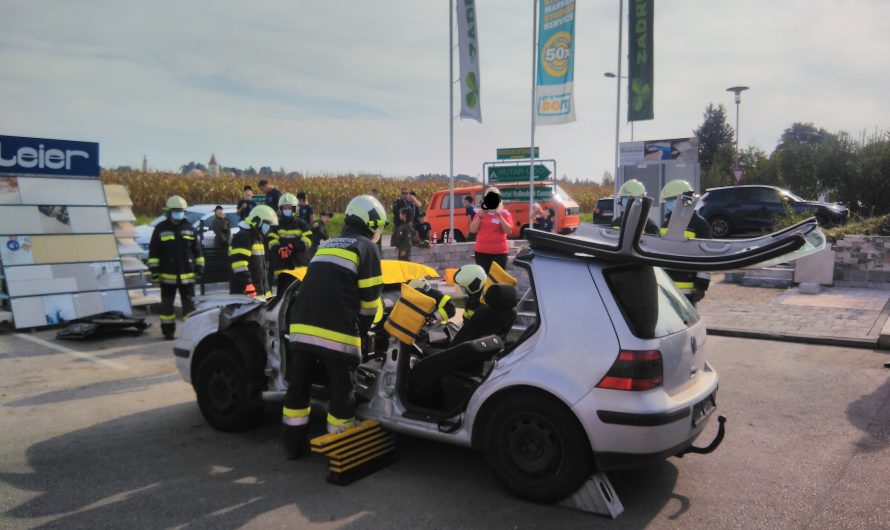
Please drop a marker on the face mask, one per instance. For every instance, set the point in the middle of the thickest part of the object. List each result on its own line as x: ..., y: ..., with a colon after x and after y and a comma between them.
x: 177, y: 216
x: 669, y: 205
x: 264, y: 228
x: 287, y: 213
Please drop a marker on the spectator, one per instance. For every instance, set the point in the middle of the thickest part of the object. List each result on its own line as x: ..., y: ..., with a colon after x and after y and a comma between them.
x: 405, y: 200
x: 404, y: 236
x: 492, y: 226
x: 222, y: 229
x: 543, y: 218
x: 246, y: 204
x: 304, y: 211
x: 272, y: 194
x: 423, y: 230
x: 319, y: 232
x: 470, y: 210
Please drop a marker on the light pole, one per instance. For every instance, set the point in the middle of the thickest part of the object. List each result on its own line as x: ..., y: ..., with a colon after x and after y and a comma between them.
x: 618, y: 78
x: 618, y: 92
x: 737, y: 90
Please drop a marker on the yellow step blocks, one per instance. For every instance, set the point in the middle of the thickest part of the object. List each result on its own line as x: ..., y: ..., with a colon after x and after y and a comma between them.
x: 356, y: 452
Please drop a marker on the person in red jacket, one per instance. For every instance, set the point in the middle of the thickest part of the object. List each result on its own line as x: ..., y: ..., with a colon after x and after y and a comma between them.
x: 492, y: 225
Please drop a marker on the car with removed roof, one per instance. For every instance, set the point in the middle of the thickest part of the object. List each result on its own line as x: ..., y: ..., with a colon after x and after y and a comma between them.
x: 604, y: 366
x: 732, y: 210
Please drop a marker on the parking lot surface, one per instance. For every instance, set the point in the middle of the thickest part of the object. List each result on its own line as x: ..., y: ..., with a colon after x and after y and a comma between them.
x: 105, y: 434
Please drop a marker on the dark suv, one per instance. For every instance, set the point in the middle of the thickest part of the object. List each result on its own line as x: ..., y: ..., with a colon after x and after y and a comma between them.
x: 741, y: 209
x: 604, y: 211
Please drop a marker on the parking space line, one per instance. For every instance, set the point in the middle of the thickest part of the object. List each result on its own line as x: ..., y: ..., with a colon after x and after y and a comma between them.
x: 74, y: 353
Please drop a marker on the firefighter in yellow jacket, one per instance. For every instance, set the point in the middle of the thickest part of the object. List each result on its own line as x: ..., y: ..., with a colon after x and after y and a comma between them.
x: 289, y: 243
x: 175, y: 261
x: 247, y: 253
x: 338, y: 301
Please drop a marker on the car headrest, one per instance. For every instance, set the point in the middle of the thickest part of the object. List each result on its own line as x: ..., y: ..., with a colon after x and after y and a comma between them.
x: 501, y: 296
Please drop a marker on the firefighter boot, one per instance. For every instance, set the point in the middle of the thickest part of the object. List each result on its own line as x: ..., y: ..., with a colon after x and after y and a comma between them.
x: 295, y: 440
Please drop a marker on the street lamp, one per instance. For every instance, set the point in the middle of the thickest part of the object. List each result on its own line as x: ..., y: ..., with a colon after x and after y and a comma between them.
x: 611, y: 75
x: 737, y: 90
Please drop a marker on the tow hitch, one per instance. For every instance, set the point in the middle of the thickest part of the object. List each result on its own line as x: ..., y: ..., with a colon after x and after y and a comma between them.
x: 721, y: 432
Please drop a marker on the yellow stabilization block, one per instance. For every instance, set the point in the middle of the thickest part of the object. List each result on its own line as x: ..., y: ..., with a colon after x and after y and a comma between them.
x: 356, y: 452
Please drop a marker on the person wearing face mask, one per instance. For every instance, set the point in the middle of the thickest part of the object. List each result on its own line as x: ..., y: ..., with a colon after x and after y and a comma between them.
x: 175, y: 261
x: 692, y: 284
x: 247, y: 253
x: 632, y: 188
x: 338, y: 302
x: 289, y: 242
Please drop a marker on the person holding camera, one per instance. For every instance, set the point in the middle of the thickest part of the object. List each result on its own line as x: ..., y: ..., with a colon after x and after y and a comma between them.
x: 491, y: 226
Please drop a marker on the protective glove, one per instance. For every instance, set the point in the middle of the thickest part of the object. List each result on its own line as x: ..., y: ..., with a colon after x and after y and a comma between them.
x: 285, y: 251
x: 155, y: 277
x: 250, y: 290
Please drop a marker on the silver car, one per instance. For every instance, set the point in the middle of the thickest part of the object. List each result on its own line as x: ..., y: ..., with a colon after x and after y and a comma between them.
x: 605, y: 365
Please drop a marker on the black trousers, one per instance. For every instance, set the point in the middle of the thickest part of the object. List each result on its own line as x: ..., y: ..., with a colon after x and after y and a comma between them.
x: 168, y: 294
x: 300, y: 366
x: 485, y: 260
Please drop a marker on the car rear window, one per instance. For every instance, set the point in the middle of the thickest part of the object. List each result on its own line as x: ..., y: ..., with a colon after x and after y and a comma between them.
x: 605, y: 204
x: 649, y: 302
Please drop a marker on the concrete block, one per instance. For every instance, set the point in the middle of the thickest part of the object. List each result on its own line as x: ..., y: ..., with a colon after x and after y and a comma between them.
x: 884, y: 337
x: 810, y: 288
x: 818, y: 267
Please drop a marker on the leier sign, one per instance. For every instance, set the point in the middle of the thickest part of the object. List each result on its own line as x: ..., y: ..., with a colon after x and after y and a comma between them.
x: 521, y: 194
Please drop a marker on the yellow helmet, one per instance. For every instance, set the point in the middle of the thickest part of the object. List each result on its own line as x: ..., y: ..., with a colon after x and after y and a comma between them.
x: 367, y: 210
x: 674, y: 189
x: 262, y: 214
x: 288, y: 199
x: 632, y: 188
x: 471, y: 277
x: 176, y: 202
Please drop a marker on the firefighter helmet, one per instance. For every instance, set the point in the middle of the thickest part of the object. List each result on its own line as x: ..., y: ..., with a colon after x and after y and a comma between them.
x: 288, y: 199
x: 262, y: 214
x: 674, y: 189
x: 176, y: 202
x: 471, y: 277
x: 632, y: 188
x: 366, y: 211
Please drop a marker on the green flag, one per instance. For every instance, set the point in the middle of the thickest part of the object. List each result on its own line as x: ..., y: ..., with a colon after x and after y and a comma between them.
x: 640, y: 60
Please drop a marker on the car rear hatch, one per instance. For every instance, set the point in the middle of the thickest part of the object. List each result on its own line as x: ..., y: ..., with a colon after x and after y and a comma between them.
x: 658, y: 318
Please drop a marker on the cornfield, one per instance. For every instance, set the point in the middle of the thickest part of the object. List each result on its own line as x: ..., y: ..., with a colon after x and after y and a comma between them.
x: 149, y: 191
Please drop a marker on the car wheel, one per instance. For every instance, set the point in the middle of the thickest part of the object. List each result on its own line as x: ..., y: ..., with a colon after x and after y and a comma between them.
x: 222, y: 390
x: 720, y: 227
x: 537, y: 448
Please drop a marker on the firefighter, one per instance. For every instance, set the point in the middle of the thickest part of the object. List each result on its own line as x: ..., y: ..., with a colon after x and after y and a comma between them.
x: 290, y: 242
x: 632, y: 188
x: 692, y: 284
x: 338, y: 302
x: 176, y: 261
x: 444, y: 306
x: 472, y: 279
x: 247, y: 253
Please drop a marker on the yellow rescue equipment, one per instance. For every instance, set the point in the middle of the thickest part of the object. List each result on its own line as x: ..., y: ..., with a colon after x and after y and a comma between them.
x: 394, y: 271
x: 496, y: 274
x: 409, y: 314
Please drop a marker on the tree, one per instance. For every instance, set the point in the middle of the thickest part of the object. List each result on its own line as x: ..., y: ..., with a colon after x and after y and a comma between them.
x: 802, y: 150
x: 607, y: 179
x: 713, y: 133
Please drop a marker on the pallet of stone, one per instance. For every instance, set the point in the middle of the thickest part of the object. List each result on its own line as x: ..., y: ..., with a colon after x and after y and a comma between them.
x: 357, y: 452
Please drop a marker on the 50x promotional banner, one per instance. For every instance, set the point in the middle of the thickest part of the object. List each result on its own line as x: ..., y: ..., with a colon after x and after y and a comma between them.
x: 640, y: 61
x: 554, y: 100
x: 468, y: 42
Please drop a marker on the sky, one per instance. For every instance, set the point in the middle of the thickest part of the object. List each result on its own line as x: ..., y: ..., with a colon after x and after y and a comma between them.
x: 361, y: 86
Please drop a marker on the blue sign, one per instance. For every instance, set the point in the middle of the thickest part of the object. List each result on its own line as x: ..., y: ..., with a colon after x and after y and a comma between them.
x: 43, y: 156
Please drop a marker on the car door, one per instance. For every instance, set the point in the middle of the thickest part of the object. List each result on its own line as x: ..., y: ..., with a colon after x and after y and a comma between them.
x: 768, y: 208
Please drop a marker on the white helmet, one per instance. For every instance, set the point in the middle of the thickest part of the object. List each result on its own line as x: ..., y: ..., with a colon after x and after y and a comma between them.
x: 366, y: 211
x: 471, y: 277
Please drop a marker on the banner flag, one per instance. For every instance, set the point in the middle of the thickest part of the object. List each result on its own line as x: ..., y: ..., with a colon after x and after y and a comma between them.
x: 554, y: 98
x: 640, y: 60
x: 468, y: 42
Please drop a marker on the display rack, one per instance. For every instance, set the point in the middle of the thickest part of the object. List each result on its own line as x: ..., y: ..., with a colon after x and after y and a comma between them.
x: 136, y: 279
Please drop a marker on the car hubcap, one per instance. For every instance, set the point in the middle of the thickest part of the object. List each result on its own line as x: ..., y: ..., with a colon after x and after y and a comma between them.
x: 221, y: 390
x: 532, y: 446
x: 720, y: 227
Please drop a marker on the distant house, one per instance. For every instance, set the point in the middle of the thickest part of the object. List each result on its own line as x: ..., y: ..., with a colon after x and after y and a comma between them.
x: 213, y: 166
x: 196, y: 173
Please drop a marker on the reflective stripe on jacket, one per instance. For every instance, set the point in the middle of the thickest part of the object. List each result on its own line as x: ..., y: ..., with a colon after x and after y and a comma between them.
x: 174, y: 253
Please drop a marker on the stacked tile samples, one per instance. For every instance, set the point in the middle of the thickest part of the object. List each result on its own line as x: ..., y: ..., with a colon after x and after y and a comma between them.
x: 57, y: 247
x: 135, y: 272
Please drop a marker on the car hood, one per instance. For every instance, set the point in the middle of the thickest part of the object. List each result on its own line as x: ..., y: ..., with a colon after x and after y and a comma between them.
x: 833, y: 206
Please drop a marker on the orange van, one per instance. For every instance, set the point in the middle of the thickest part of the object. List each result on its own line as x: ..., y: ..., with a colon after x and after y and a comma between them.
x: 565, y: 220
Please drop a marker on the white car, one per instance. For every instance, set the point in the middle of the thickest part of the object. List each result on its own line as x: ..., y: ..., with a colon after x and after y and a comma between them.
x: 193, y: 214
x: 604, y: 367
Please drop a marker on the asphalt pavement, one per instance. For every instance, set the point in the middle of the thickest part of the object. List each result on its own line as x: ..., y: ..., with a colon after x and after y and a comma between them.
x: 104, y: 434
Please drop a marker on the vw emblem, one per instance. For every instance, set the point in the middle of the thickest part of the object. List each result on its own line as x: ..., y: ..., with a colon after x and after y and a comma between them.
x: 694, y: 345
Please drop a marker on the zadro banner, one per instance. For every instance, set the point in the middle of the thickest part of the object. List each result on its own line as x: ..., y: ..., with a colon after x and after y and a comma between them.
x: 640, y: 61
x: 554, y: 100
x: 468, y: 42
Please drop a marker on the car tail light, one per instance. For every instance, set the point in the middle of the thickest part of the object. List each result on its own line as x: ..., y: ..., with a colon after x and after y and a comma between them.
x: 635, y: 371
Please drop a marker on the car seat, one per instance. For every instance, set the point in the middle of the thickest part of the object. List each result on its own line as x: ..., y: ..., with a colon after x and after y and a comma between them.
x: 495, y: 317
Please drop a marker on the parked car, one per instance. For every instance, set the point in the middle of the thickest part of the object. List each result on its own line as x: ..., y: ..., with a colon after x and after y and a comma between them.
x: 604, y: 367
x: 604, y: 211
x: 193, y: 214
x: 755, y: 208
x: 566, y: 211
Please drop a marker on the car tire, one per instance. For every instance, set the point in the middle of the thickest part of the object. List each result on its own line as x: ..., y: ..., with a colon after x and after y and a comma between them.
x: 222, y: 390
x: 720, y: 227
x: 536, y: 448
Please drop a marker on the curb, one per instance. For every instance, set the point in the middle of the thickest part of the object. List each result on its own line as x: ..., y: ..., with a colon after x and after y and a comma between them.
x: 869, y: 344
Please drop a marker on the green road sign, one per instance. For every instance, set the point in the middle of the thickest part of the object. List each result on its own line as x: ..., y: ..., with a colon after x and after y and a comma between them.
x: 515, y: 153
x: 521, y: 194
x: 500, y: 174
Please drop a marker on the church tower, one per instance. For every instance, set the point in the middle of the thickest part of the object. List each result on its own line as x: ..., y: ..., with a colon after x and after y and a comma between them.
x: 212, y: 166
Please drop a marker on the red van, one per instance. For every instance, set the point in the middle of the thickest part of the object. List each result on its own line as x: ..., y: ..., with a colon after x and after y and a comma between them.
x: 565, y: 220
